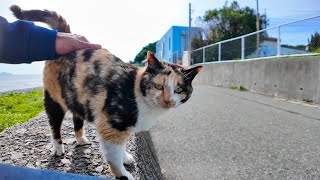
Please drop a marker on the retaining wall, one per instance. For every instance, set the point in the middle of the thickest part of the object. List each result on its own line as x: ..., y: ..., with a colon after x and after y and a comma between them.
x: 292, y: 77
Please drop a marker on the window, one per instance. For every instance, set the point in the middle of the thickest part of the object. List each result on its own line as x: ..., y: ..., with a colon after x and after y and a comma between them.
x: 169, y: 43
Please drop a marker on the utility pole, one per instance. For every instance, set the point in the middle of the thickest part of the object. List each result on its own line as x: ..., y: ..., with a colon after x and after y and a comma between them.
x: 189, y: 36
x: 258, y: 28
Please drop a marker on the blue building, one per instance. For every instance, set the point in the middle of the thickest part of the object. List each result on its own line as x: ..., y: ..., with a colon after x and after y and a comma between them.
x: 171, y: 46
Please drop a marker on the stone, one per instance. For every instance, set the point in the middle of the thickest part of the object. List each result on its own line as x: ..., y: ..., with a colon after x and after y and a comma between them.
x: 16, y: 156
x: 48, y: 146
x: 69, y: 141
x: 99, y: 169
x: 65, y: 161
x: 22, y: 163
x: 30, y: 166
x: 87, y: 151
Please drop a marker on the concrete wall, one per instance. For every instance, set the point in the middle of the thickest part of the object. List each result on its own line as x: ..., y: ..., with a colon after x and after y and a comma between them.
x: 292, y: 78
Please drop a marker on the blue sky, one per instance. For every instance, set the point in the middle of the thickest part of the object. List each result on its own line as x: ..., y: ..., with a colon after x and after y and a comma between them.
x: 124, y: 27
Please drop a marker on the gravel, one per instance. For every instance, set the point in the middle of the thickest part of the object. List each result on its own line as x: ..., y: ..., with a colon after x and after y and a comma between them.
x: 29, y: 145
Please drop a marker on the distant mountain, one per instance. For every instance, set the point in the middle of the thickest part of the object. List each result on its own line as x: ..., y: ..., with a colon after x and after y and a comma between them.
x: 5, y: 74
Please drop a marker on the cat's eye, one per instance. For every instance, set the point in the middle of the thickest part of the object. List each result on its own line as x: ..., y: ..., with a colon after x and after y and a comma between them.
x: 158, y: 86
x: 178, y: 90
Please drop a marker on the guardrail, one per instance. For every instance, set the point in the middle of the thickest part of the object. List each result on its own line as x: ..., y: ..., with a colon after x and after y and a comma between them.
x: 289, y: 39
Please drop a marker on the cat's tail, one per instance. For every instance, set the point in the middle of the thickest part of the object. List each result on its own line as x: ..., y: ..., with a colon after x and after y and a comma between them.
x: 54, y: 20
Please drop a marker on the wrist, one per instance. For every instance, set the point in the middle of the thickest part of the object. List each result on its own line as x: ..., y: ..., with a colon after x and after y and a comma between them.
x: 42, y: 44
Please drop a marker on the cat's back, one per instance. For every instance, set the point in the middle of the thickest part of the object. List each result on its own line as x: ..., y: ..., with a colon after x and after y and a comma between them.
x: 76, y: 78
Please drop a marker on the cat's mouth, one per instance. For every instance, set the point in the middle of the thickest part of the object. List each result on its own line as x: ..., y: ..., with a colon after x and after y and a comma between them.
x: 167, y: 105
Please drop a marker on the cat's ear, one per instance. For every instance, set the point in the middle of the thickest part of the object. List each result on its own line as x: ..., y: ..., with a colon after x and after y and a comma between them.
x: 153, y: 62
x: 189, y: 74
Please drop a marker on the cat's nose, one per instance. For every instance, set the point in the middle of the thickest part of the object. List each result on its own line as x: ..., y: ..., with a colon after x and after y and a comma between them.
x: 167, y: 101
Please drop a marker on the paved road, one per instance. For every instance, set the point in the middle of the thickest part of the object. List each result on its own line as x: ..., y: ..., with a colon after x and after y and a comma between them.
x: 228, y: 134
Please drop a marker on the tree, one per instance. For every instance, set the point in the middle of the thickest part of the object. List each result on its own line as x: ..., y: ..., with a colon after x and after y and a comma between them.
x: 143, y: 53
x: 225, y: 23
x: 314, y: 44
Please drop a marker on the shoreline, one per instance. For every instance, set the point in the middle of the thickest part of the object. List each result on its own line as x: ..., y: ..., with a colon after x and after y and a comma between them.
x: 21, y: 91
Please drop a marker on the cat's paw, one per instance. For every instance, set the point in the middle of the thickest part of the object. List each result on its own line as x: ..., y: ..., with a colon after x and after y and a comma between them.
x: 127, y: 158
x: 82, y: 140
x: 57, y: 150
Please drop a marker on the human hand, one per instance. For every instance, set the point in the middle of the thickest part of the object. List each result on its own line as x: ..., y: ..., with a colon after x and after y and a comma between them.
x: 67, y: 42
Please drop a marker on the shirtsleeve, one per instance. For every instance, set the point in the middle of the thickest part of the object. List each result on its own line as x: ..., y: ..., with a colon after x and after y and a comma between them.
x: 24, y: 42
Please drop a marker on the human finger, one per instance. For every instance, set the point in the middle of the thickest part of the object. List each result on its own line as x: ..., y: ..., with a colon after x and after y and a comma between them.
x: 81, y: 38
x: 86, y: 45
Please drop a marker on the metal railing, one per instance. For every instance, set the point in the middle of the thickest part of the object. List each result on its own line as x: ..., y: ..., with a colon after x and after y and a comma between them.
x: 289, y: 39
x: 175, y: 57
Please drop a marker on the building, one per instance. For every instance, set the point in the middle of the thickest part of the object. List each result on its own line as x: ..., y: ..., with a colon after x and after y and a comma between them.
x: 171, y: 46
x: 269, y: 47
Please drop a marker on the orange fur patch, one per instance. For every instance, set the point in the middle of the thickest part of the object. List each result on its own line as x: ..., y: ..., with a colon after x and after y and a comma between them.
x: 110, y: 134
x: 79, y: 133
x: 51, y: 83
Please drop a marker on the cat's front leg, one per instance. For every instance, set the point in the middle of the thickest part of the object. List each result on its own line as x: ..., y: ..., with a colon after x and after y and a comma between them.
x: 127, y: 157
x: 114, y: 155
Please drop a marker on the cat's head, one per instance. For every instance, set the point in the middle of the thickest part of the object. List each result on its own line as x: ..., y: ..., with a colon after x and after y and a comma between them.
x: 166, y: 85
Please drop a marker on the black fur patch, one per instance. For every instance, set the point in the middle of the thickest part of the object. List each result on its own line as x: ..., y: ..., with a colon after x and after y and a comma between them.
x: 71, y: 56
x: 89, y: 114
x: 76, y: 107
x: 122, y: 178
x: 68, y: 94
x: 78, y: 123
x: 96, y: 66
x: 166, y: 72
x: 93, y: 83
x: 87, y: 54
x: 144, y: 83
x: 188, y: 91
x: 72, y: 70
x: 176, y: 69
x: 55, y: 114
x: 120, y: 103
x: 147, y: 77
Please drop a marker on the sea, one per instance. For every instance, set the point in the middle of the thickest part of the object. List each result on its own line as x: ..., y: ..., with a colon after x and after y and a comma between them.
x: 16, y: 82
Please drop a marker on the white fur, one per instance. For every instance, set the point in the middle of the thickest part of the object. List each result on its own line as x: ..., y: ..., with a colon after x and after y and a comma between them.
x: 171, y: 86
x: 148, y: 114
x: 57, y: 149
x: 82, y: 140
x: 114, y: 153
x: 127, y: 157
x: 174, y: 96
x: 177, y: 99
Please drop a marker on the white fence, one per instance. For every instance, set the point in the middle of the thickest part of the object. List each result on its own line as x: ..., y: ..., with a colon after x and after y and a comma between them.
x: 290, y: 39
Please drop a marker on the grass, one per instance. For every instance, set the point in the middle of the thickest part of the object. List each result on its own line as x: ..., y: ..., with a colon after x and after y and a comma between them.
x: 19, y: 108
x: 240, y: 88
x: 316, y: 50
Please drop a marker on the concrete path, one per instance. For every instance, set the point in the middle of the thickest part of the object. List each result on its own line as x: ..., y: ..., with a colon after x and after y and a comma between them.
x: 228, y: 134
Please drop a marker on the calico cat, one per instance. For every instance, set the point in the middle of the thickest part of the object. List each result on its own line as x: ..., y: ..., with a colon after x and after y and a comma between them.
x: 119, y: 98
